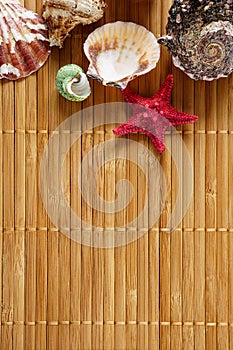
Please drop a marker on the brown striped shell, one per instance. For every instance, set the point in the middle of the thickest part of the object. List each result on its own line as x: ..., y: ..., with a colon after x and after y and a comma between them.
x: 24, y: 45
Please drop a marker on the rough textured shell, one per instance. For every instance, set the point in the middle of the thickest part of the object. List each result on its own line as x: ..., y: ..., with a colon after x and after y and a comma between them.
x: 200, y: 37
x: 63, y: 15
x: 24, y: 45
x: 72, y: 83
x: 119, y: 52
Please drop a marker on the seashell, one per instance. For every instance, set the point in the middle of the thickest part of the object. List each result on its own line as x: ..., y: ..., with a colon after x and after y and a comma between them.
x: 200, y: 37
x: 63, y: 15
x: 24, y: 45
x: 119, y: 52
x: 72, y: 83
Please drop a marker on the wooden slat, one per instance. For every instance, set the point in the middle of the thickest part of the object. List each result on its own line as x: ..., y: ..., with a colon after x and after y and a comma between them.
x: 64, y: 240
x: 176, y: 235
x: 188, y: 236
x: 230, y: 206
x: 87, y: 251
x: 222, y: 218
x: 110, y: 189
x: 199, y: 207
x: 142, y: 247
x: 42, y: 220
x: 75, y: 276
x: 19, y: 253
x: 211, y: 220
x: 165, y: 237
x: 98, y: 221
x: 132, y: 280
x: 8, y: 214
x: 52, y: 278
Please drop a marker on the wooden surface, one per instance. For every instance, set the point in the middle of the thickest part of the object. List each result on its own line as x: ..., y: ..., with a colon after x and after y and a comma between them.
x: 163, y: 291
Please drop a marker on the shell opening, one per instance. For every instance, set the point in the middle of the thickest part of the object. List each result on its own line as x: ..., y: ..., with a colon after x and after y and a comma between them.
x: 72, y: 86
x: 77, y: 87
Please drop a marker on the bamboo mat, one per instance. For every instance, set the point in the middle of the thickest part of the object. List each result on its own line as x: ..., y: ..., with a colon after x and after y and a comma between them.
x: 164, y: 290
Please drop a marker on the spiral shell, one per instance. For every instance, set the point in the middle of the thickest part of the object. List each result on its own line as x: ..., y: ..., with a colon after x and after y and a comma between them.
x: 72, y: 83
x: 200, y: 38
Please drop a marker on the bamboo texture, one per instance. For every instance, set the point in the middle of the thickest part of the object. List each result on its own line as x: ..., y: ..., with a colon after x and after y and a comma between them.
x: 162, y: 291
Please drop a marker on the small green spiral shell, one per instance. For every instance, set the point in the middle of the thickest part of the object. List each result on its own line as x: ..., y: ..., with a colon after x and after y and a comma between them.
x: 72, y: 83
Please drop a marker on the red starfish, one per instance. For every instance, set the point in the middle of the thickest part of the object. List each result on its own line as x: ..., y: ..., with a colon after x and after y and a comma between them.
x: 153, y: 115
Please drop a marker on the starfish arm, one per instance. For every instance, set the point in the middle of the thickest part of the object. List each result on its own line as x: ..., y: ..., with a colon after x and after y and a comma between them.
x: 176, y: 117
x: 164, y: 93
x: 126, y: 129
x: 132, y: 97
x: 157, y: 143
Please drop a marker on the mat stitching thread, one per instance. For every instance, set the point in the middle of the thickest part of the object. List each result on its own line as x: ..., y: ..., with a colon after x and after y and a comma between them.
x: 54, y: 229
x: 117, y: 323
x: 102, y: 132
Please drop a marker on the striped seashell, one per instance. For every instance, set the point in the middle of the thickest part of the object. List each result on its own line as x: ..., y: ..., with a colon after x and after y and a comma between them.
x: 24, y: 45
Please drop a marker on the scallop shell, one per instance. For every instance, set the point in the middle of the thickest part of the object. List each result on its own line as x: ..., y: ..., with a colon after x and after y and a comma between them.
x: 200, y: 37
x: 119, y: 52
x: 24, y: 45
x: 63, y: 15
x: 72, y: 83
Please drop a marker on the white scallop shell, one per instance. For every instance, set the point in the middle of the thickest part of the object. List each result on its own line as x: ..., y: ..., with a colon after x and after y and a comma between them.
x: 63, y: 15
x: 119, y: 52
x: 24, y: 45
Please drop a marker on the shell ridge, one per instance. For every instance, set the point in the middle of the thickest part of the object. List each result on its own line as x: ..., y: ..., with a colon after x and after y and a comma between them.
x: 24, y: 45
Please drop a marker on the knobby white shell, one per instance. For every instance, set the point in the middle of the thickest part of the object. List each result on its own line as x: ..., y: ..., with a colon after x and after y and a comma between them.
x: 63, y: 15
x: 119, y: 52
x: 24, y: 45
